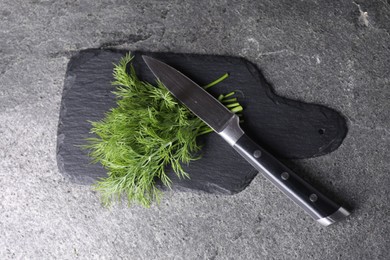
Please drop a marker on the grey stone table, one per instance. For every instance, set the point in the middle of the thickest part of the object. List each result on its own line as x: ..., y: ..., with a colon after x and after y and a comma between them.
x: 335, y: 54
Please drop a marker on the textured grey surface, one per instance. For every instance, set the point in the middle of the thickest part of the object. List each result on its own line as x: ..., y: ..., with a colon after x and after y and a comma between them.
x: 336, y: 54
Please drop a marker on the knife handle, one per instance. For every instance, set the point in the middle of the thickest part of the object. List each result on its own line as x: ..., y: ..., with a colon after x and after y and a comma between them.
x: 316, y: 204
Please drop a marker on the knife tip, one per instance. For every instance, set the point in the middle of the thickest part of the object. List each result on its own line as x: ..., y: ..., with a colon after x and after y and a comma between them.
x: 146, y: 58
x: 150, y: 61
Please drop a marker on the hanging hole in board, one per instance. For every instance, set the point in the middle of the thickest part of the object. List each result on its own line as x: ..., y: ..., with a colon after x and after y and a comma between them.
x: 321, y: 131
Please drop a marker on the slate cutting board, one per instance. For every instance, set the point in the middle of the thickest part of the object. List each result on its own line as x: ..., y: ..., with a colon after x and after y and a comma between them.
x: 287, y: 128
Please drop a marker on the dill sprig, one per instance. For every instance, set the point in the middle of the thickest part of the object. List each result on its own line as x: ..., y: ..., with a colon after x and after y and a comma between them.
x: 147, y: 131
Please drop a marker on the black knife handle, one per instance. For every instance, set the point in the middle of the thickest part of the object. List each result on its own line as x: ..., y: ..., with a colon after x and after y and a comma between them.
x: 316, y: 204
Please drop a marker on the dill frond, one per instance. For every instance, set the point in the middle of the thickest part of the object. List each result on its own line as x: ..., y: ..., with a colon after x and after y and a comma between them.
x: 147, y: 131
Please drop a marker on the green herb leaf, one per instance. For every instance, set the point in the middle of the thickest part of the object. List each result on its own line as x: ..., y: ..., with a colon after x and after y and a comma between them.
x: 147, y: 131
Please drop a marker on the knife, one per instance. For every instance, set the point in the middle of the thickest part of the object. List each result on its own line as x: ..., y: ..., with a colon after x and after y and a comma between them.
x: 226, y: 124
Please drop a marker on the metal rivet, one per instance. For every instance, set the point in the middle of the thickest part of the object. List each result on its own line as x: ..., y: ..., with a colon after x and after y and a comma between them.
x: 257, y: 154
x: 285, y: 175
x: 313, y: 197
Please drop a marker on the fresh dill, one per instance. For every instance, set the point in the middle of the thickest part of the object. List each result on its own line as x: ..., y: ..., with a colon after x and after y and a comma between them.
x: 147, y: 132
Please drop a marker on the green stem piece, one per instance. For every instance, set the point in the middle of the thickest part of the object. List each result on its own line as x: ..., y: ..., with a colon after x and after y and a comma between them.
x: 215, y: 82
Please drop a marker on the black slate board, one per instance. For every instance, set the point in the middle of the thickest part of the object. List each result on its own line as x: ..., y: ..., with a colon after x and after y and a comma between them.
x: 287, y: 128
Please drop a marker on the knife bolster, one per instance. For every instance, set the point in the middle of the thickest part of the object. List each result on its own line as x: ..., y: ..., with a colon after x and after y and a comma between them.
x: 232, y: 131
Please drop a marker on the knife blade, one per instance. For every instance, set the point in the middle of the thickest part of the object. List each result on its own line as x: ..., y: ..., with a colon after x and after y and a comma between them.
x: 226, y: 124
